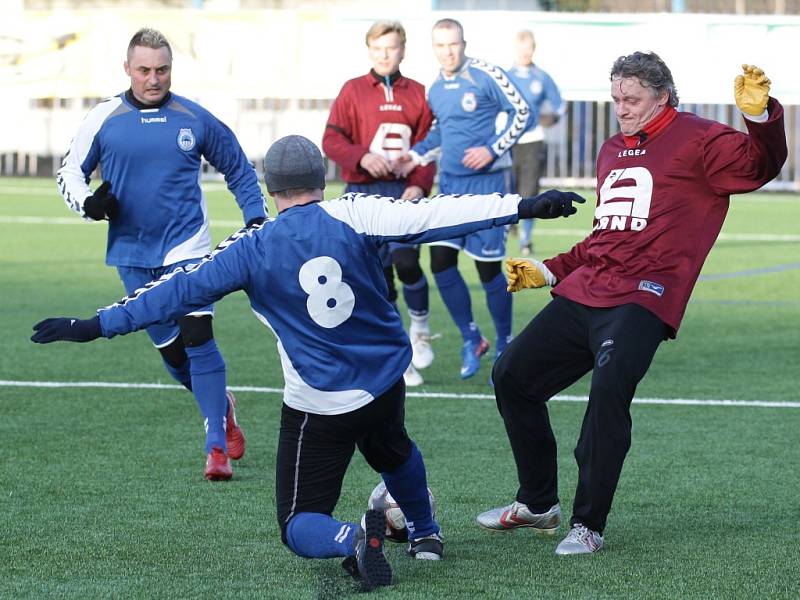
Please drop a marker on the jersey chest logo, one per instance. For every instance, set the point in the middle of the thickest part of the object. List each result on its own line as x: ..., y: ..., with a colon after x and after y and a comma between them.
x: 536, y: 87
x: 186, y: 139
x: 625, y: 206
x: 469, y: 102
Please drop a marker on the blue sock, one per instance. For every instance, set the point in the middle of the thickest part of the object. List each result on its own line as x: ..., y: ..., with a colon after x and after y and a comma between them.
x: 208, y: 384
x: 455, y: 295
x: 498, y: 299
x: 527, y: 231
x: 416, y: 296
x: 180, y: 374
x: 408, y: 485
x: 314, y: 535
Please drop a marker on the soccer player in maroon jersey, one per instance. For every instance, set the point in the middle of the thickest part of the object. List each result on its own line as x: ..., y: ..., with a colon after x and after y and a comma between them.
x: 375, y: 119
x: 663, y: 188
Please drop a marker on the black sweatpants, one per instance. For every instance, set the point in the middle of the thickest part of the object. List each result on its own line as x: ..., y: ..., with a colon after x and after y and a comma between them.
x: 315, y: 450
x: 562, y: 343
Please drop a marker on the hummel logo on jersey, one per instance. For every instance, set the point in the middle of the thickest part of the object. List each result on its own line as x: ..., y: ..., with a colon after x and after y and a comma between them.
x: 71, y: 322
x: 153, y: 120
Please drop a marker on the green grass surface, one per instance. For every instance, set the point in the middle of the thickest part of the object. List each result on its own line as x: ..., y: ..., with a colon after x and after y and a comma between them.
x: 101, y: 490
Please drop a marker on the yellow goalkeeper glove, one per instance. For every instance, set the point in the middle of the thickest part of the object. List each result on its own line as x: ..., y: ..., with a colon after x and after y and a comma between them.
x: 527, y: 273
x: 751, y: 90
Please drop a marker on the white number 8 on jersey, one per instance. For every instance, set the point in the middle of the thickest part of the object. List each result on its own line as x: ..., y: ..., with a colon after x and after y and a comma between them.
x: 330, y: 300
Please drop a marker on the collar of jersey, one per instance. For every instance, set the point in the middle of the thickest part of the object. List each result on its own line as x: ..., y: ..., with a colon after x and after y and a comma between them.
x: 131, y: 99
x: 393, y: 78
x: 654, y: 127
x: 288, y: 208
x: 460, y: 70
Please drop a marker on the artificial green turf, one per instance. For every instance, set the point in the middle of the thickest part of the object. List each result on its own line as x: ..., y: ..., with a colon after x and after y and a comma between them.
x: 101, y: 493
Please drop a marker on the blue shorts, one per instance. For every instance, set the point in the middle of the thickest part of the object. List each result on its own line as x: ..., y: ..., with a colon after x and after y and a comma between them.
x: 488, y: 245
x: 133, y: 278
x: 389, y: 189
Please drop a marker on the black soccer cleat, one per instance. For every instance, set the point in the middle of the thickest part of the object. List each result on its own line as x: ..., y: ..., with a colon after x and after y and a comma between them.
x: 371, y: 562
x: 430, y: 547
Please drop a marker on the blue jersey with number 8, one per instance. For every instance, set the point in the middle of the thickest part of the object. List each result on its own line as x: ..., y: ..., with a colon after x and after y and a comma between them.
x: 314, y: 277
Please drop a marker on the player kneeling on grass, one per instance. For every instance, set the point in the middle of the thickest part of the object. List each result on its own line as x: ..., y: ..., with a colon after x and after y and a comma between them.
x: 663, y: 188
x: 314, y: 277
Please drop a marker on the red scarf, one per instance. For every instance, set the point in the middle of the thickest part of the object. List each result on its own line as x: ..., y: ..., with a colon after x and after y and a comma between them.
x: 654, y: 126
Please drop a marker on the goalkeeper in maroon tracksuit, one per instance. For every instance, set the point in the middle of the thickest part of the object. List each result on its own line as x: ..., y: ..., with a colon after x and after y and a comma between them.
x: 663, y: 188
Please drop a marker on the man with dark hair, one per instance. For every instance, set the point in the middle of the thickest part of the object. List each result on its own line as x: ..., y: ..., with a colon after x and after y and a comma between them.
x: 314, y: 277
x: 663, y: 189
x: 374, y: 120
x: 467, y: 98
x: 149, y: 143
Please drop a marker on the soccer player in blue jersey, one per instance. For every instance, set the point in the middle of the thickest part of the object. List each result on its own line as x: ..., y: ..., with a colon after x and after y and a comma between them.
x: 148, y: 144
x: 540, y: 92
x: 466, y: 99
x: 314, y: 277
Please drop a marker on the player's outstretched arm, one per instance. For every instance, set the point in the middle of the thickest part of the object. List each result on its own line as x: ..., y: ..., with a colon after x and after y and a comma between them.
x: 549, y: 205
x: 751, y: 91
x: 526, y: 273
x: 66, y: 329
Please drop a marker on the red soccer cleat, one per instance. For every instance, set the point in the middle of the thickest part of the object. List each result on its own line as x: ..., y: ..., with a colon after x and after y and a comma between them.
x: 218, y: 467
x: 234, y: 436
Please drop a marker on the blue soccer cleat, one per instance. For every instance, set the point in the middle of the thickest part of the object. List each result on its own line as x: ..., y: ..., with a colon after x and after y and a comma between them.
x: 471, y: 353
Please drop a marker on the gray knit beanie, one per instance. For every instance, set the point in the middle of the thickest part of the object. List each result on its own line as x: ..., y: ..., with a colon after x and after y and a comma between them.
x: 293, y: 162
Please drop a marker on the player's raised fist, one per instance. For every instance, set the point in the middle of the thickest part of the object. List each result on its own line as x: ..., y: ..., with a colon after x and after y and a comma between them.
x: 751, y: 90
x: 526, y: 273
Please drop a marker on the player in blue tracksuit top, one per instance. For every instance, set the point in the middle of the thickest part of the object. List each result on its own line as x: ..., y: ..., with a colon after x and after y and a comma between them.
x: 315, y: 278
x: 148, y: 144
x: 528, y: 154
x: 467, y: 99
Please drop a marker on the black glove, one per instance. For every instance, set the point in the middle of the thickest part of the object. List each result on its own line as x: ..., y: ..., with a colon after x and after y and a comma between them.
x: 255, y: 221
x: 103, y: 204
x: 66, y: 329
x: 549, y: 205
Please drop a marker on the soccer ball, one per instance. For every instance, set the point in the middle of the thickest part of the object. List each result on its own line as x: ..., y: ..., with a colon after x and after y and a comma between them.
x: 381, y: 499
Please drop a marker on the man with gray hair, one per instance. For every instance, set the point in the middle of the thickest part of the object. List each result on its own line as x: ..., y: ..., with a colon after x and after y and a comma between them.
x: 663, y: 188
x: 149, y: 144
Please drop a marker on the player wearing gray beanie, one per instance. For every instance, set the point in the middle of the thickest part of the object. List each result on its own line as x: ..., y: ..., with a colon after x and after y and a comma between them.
x: 293, y: 163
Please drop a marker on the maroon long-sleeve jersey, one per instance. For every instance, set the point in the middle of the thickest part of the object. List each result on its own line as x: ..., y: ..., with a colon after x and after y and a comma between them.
x: 370, y: 116
x: 660, y: 207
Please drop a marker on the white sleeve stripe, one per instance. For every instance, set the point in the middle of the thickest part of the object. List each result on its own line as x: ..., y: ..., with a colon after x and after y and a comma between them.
x: 223, y: 245
x: 520, y: 120
x: 387, y: 217
x: 70, y: 178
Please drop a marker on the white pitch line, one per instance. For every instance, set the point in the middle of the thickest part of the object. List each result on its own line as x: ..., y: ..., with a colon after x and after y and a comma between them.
x: 270, y: 390
x: 552, y: 232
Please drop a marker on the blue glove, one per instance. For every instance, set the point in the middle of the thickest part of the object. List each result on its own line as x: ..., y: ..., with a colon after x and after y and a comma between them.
x: 103, y: 204
x: 66, y: 329
x: 549, y: 205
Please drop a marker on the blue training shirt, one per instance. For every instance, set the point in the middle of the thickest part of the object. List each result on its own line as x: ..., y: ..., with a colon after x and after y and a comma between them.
x: 314, y: 277
x: 152, y: 158
x: 538, y: 89
x: 466, y: 108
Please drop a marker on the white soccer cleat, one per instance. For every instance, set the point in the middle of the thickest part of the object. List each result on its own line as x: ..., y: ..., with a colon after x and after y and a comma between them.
x: 517, y: 515
x: 412, y: 377
x: 422, y: 356
x: 580, y: 540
